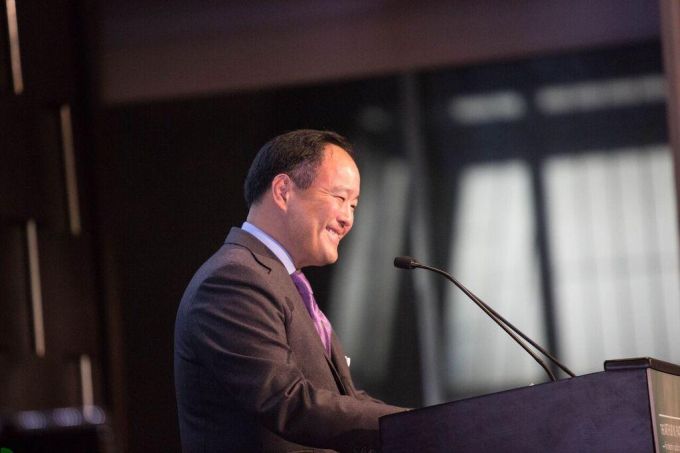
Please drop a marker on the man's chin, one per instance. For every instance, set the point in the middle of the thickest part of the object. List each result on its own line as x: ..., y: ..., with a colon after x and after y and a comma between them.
x: 322, y: 261
x: 330, y: 258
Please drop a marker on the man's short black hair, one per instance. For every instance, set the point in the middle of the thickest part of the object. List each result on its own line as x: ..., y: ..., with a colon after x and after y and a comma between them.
x: 297, y: 154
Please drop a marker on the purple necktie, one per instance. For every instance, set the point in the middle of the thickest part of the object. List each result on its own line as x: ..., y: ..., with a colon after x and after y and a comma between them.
x: 323, y: 326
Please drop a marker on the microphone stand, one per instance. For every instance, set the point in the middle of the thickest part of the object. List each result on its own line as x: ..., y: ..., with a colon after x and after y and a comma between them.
x: 405, y: 262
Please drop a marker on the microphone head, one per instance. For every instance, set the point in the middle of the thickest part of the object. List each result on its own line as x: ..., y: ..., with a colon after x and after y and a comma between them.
x: 405, y: 262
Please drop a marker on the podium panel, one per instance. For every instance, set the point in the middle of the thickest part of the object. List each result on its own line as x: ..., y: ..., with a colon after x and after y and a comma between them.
x: 611, y: 411
x: 664, y: 390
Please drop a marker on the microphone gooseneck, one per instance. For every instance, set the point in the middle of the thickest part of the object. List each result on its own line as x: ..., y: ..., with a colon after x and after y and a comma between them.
x: 407, y: 262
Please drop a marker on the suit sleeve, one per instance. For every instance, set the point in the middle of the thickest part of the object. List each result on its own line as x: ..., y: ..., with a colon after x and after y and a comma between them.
x: 239, y: 333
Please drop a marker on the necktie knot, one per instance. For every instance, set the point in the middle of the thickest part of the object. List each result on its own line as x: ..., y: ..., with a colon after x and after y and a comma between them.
x: 301, y: 283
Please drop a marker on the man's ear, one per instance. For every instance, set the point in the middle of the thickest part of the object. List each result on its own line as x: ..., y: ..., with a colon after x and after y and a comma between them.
x: 281, y: 189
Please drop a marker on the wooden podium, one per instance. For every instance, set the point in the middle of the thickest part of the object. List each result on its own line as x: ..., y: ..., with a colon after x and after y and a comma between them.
x: 633, y: 406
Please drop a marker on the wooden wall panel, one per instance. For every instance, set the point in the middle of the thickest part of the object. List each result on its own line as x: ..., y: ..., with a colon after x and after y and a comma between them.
x: 47, y: 40
x: 50, y: 347
x: 69, y: 302
x: 16, y: 162
x: 16, y: 339
x: 37, y: 384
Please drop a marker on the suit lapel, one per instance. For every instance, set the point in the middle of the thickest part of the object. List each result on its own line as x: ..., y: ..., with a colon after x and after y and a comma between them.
x: 333, y: 361
x: 266, y: 258
x: 334, y: 365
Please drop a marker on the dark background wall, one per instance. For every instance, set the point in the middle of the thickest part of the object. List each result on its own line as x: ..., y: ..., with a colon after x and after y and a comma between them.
x: 170, y: 102
x: 154, y: 49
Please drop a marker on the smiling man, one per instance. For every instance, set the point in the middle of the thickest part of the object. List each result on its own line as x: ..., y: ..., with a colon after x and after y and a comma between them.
x: 257, y: 365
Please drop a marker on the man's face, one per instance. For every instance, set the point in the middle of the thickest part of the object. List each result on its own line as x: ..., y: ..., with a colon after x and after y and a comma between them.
x: 321, y: 215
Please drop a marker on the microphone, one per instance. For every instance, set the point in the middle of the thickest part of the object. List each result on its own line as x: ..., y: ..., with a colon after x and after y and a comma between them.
x: 407, y: 262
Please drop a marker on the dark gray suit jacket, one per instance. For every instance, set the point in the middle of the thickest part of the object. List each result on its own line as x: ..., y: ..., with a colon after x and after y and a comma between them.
x: 250, y: 370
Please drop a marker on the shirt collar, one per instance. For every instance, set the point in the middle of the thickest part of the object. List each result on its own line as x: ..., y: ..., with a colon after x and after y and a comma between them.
x: 271, y: 243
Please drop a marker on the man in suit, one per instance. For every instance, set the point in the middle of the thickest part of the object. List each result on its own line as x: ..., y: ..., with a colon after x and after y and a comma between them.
x: 257, y: 366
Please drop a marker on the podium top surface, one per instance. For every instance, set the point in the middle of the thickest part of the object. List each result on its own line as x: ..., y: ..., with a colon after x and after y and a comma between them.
x: 642, y: 362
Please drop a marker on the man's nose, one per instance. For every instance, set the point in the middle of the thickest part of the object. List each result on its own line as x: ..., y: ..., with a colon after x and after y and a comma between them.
x: 346, y: 217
